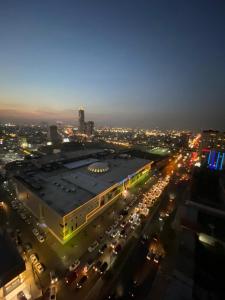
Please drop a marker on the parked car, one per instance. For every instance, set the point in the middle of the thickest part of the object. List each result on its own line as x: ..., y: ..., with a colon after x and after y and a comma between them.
x: 157, y: 258
x: 93, y: 246
x: 103, y: 248
x: 82, y: 281
x: 155, y: 237
x: 74, y: 265
x: 27, y: 221
x: 133, y: 225
x: 109, y: 230
x: 123, y: 224
x: 113, y: 244
x: 40, y: 238
x: 103, y: 268
x: 21, y: 296
x: 150, y: 255
x: 39, y: 267
x: 123, y: 233
x: 14, y: 205
x: 97, y: 265
x: 115, y: 233
x: 71, y: 276
x: 117, y: 249
x: 88, y: 265
x: 124, y: 212
x: 35, y: 231
x: 138, y: 222
x: 27, y: 247
x: 34, y: 258
x: 120, y: 218
x: 115, y: 224
x: 23, y: 216
x: 144, y: 238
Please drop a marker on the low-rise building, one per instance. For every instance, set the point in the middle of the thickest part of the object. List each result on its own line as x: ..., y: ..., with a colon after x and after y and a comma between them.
x: 66, y: 196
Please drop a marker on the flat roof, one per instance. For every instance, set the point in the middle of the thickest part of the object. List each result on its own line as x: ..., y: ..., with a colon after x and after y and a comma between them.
x: 62, y: 156
x: 66, y: 188
x: 11, y: 263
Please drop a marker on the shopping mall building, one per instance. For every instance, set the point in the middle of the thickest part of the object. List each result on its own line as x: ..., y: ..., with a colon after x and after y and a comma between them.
x: 66, y: 193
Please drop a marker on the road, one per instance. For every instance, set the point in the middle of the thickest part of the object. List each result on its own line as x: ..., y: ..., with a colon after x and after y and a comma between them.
x: 136, y: 278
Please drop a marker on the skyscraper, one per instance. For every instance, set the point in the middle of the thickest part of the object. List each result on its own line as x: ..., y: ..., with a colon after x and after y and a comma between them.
x: 81, y: 121
x: 212, y: 149
x: 53, y: 135
x: 90, y: 127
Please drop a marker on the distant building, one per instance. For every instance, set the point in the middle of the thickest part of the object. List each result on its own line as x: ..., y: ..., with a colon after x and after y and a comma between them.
x: 81, y: 121
x: 85, y: 127
x: 53, y: 135
x: 213, y: 149
x: 90, y: 128
x: 23, y: 142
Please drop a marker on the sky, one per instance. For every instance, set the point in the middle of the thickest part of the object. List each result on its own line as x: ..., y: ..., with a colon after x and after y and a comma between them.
x: 129, y: 63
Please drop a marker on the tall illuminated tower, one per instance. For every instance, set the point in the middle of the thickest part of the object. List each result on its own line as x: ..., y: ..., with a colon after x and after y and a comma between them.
x: 81, y: 120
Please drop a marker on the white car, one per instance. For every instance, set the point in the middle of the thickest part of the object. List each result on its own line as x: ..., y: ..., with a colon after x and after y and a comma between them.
x: 115, y: 233
x: 93, y: 246
x: 123, y: 224
x: 39, y: 267
x: 74, y: 265
x: 131, y: 219
x: 138, y: 222
x: 41, y: 238
x: 35, y: 231
x: 33, y: 258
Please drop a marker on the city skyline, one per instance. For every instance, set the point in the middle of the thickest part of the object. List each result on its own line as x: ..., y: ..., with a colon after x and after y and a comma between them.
x: 137, y: 64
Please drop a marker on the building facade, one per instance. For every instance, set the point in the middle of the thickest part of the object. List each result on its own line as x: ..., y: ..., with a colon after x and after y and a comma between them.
x: 81, y: 120
x: 212, y: 149
x: 90, y: 128
x: 53, y: 135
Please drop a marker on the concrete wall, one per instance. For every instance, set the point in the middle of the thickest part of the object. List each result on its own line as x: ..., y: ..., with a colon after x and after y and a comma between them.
x: 39, y: 209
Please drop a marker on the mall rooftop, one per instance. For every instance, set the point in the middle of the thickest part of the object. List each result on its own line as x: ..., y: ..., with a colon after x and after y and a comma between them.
x: 71, y: 184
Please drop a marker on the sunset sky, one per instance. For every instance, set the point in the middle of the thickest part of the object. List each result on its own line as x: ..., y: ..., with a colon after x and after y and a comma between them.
x: 128, y: 63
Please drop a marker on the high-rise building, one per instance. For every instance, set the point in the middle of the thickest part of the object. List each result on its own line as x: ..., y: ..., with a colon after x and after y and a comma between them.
x: 90, y: 127
x: 53, y: 135
x: 213, y: 148
x: 81, y: 121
